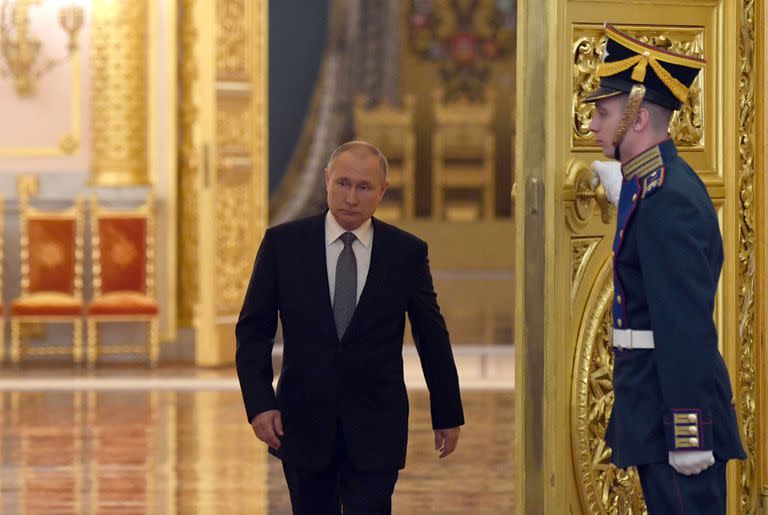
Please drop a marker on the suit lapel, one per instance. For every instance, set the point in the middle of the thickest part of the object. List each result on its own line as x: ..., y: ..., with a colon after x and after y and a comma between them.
x: 318, y: 269
x: 377, y: 273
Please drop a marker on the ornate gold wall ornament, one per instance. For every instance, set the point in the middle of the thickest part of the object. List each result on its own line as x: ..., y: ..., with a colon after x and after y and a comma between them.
x: 231, y: 40
x: 581, y: 252
x: 69, y: 144
x: 464, y: 36
x: 188, y: 166
x: 748, y: 488
x: 233, y: 267
x: 687, y: 126
x: 602, y: 487
x: 20, y: 49
x: 119, y: 93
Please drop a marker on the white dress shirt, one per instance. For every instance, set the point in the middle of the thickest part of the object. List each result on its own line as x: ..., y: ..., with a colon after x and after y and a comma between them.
x: 361, y: 247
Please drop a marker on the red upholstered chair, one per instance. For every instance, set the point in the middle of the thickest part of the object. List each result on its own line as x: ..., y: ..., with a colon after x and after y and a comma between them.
x: 51, y: 277
x: 123, y: 257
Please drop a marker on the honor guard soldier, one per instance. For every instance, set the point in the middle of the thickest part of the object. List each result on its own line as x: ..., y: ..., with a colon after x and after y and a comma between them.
x: 673, y: 416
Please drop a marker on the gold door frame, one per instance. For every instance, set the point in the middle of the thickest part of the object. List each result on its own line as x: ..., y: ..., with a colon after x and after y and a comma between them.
x: 728, y: 160
x: 223, y: 165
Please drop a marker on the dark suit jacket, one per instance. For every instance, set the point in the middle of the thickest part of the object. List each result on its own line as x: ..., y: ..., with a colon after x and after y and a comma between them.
x: 356, y: 382
x: 668, y: 254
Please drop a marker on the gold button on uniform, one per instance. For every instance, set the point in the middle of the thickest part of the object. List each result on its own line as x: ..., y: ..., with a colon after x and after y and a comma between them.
x: 692, y: 417
x: 618, y: 299
x: 621, y: 233
x: 619, y: 323
x: 693, y: 430
x: 694, y: 442
x: 634, y: 197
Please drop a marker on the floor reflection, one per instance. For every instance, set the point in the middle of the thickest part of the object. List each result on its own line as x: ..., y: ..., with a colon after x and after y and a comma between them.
x: 191, y: 452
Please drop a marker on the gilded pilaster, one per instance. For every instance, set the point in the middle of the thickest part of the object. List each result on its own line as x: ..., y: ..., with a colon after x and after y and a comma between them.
x: 748, y: 395
x: 188, y: 164
x: 119, y: 93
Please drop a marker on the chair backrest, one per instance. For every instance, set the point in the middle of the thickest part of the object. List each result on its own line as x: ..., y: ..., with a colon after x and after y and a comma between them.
x: 52, y: 250
x: 388, y: 127
x: 122, y: 249
x: 463, y: 129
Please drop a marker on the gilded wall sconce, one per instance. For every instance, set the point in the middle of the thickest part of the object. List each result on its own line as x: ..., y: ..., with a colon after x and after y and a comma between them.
x: 20, y: 56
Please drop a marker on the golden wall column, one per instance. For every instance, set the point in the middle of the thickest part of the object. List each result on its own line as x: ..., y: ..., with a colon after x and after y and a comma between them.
x: 119, y: 93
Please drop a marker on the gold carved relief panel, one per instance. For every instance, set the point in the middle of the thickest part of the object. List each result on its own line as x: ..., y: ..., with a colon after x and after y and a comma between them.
x: 687, y: 126
x: 119, y: 93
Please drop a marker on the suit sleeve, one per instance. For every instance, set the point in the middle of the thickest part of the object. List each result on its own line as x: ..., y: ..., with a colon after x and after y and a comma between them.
x: 680, y: 284
x: 434, y: 347
x: 255, y: 333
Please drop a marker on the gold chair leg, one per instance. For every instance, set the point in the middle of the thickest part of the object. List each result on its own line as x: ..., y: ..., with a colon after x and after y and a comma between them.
x: 154, y: 342
x: 15, y: 341
x: 77, y: 341
x: 93, y: 342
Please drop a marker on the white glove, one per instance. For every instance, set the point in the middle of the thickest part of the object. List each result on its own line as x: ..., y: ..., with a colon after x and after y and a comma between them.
x: 609, y: 173
x: 691, y: 462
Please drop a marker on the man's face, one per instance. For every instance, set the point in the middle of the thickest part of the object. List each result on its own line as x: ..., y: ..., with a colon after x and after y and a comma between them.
x: 355, y: 185
x: 605, y: 122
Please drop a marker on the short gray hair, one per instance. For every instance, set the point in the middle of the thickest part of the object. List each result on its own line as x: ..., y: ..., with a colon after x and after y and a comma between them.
x: 361, y: 145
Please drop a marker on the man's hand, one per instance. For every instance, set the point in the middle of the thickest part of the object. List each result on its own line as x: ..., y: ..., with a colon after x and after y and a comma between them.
x: 691, y: 462
x: 446, y: 440
x: 268, y: 425
x: 609, y: 173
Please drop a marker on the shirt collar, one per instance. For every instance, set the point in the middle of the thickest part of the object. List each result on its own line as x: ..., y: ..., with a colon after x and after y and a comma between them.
x: 333, y: 230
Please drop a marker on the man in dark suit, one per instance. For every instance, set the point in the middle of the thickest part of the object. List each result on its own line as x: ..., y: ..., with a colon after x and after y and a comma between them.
x: 342, y: 282
x: 673, y: 415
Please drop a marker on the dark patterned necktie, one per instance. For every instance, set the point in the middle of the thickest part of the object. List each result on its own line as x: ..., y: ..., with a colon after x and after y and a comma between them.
x: 345, y: 291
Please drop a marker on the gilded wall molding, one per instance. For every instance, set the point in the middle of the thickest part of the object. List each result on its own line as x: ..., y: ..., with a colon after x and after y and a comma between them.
x: 188, y: 165
x: 581, y: 253
x: 748, y: 395
x: 687, y: 126
x: 240, y: 208
x: 119, y: 93
x: 233, y: 266
x: 232, y: 40
x: 603, y: 488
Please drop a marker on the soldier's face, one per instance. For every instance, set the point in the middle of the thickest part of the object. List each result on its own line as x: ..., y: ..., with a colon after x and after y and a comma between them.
x: 605, y: 122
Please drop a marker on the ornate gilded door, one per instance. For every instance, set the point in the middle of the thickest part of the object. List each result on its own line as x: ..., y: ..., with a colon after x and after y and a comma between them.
x: 223, y: 210
x: 564, y: 290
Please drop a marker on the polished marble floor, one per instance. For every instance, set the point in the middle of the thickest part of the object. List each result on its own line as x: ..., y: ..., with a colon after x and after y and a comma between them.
x: 125, y: 452
x: 122, y: 439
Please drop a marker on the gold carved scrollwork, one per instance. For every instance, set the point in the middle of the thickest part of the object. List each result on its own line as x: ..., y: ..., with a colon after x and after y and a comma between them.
x: 603, y: 488
x: 119, y: 93
x: 581, y: 252
x: 231, y: 39
x: 188, y: 166
x: 232, y: 267
x: 687, y: 126
x: 748, y: 488
x: 233, y: 127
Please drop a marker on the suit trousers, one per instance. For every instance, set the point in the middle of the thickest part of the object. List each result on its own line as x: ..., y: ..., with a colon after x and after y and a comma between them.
x: 668, y: 492
x: 340, y: 485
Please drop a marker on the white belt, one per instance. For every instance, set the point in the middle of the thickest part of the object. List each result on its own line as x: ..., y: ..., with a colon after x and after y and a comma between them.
x: 629, y: 339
